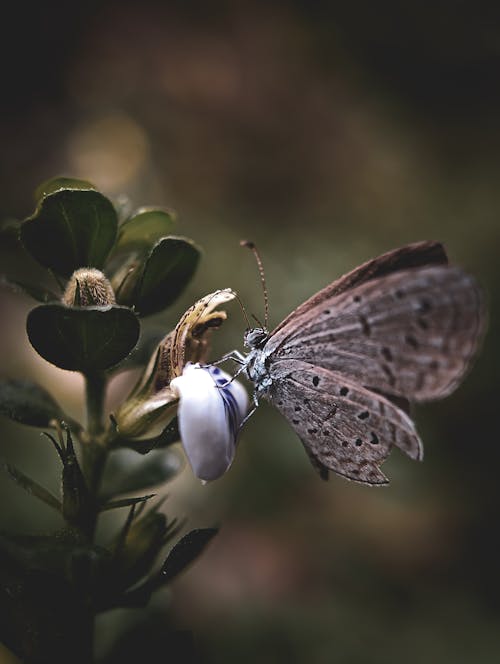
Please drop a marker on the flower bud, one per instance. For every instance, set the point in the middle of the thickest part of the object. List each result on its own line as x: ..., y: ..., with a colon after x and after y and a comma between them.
x: 211, y: 409
x: 142, y: 544
x: 152, y: 403
x: 88, y: 287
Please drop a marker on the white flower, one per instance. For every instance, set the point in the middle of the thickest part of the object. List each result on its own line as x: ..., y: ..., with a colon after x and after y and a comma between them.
x: 210, y: 414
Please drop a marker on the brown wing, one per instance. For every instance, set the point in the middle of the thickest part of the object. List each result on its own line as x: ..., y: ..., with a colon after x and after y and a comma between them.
x: 418, y: 254
x: 412, y: 333
x: 343, y: 426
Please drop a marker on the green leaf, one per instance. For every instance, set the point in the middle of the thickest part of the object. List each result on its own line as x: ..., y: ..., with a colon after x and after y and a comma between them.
x: 82, y: 339
x: 71, y: 228
x: 167, y: 271
x: 77, y: 503
x: 144, y: 229
x: 58, y: 183
x: 36, y: 292
x: 28, y: 403
x: 150, y: 338
x: 31, y: 486
x: 126, y: 502
x: 128, y: 471
x: 168, y: 436
x: 187, y: 549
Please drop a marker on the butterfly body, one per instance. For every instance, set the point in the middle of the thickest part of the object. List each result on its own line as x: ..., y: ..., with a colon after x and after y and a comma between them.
x: 343, y: 367
x: 256, y: 367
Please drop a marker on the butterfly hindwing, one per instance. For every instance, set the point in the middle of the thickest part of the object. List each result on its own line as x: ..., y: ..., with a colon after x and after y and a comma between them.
x: 343, y: 426
x: 412, y: 333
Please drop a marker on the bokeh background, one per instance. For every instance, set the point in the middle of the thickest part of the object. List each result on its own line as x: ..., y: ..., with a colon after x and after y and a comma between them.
x: 327, y: 133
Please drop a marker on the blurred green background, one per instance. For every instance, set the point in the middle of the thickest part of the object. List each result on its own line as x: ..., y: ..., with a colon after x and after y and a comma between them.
x: 327, y: 133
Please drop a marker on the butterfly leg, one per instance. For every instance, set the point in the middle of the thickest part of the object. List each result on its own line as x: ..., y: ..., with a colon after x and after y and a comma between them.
x: 234, y: 355
x: 240, y: 370
x: 250, y: 412
x: 237, y: 357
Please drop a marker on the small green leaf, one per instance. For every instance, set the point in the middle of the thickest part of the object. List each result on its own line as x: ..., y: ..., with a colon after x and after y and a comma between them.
x: 77, y: 503
x: 126, y: 502
x: 168, y: 436
x: 167, y: 271
x: 38, y: 293
x: 144, y: 229
x: 128, y: 471
x: 71, y: 228
x: 58, y: 183
x: 187, y: 549
x: 88, y: 339
x: 31, y: 486
x: 28, y: 403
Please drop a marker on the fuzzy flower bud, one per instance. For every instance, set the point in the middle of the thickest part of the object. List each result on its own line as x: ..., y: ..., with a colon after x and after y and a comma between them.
x: 88, y: 287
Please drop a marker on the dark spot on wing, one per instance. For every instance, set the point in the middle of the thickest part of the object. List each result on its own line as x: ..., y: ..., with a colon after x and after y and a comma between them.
x: 399, y: 294
x: 344, y: 391
x: 434, y: 365
x: 365, y: 326
x: 326, y: 312
x: 386, y: 352
x: 326, y: 432
x: 345, y: 443
x: 297, y: 409
x: 358, y: 442
x: 411, y: 341
x: 374, y: 438
x: 295, y: 421
x: 306, y: 402
x: 312, y: 431
x: 422, y: 323
x: 424, y: 306
x: 357, y: 298
x: 364, y: 415
x: 315, y: 381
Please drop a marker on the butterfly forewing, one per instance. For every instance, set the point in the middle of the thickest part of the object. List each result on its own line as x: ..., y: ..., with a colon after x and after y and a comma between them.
x: 412, y: 333
x: 418, y: 254
x: 343, y: 426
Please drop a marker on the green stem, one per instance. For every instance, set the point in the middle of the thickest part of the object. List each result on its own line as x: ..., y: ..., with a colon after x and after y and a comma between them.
x: 94, y: 449
x: 95, y: 387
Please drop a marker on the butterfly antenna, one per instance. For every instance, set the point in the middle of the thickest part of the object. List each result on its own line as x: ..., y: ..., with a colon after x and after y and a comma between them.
x: 253, y: 249
x: 243, y: 310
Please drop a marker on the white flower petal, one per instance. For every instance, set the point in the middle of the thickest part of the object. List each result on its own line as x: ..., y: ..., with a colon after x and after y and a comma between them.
x: 209, y: 418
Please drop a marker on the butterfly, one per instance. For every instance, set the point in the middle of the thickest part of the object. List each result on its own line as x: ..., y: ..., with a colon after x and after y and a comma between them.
x: 345, y: 365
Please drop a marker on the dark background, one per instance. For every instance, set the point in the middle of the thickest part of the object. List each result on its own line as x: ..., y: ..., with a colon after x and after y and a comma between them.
x: 327, y: 133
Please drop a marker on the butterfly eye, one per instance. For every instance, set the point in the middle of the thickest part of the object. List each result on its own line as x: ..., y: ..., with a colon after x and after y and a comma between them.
x: 255, y: 337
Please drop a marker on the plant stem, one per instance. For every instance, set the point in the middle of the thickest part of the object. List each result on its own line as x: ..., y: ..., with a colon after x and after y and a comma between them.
x: 94, y: 453
x: 95, y: 386
x: 94, y: 449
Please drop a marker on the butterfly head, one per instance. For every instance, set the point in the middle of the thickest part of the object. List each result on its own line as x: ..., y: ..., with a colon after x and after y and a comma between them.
x: 255, y: 337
